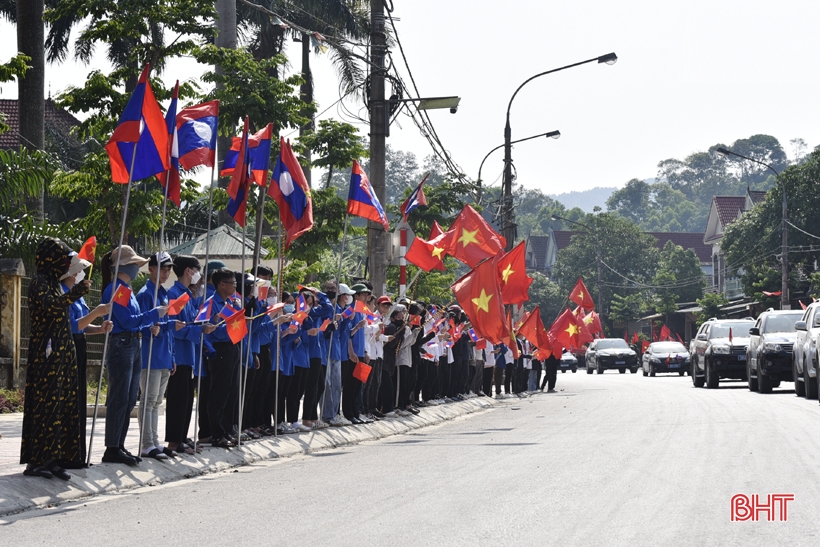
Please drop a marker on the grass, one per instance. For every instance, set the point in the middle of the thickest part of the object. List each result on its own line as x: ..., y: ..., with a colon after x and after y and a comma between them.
x: 11, y: 400
x: 91, y: 393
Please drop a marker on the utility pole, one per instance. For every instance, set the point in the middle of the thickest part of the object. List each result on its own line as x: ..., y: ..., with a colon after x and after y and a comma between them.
x: 376, y: 236
x: 784, y: 270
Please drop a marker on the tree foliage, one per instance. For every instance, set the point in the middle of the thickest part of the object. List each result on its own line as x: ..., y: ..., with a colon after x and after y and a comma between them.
x: 336, y: 144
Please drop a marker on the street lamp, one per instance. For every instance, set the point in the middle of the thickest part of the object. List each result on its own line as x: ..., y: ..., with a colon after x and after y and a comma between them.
x: 597, y: 252
x: 550, y: 135
x: 784, y: 242
x: 509, y: 225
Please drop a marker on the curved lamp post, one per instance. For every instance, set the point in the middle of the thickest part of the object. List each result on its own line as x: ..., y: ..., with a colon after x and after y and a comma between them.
x: 550, y: 135
x: 509, y: 226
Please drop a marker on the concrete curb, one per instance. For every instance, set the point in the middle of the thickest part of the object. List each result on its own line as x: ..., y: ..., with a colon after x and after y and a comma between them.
x: 19, y: 493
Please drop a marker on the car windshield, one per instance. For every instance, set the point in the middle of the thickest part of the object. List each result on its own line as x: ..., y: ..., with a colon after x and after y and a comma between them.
x: 612, y: 344
x: 738, y: 329
x: 668, y: 347
x: 782, y: 323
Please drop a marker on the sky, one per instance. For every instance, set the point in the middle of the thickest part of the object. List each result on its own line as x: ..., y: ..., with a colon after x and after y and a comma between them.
x: 689, y: 75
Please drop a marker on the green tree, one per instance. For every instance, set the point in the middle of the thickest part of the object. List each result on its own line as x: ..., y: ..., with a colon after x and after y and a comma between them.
x: 337, y: 144
x: 631, y: 201
x: 625, y: 309
x: 548, y: 295
x: 710, y: 306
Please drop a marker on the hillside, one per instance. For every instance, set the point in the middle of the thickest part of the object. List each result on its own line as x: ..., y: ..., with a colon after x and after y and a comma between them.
x: 587, y: 199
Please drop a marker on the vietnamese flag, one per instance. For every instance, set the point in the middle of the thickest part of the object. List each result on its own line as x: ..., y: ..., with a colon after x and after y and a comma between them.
x: 533, y: 330
x: 178, y: 304
x: 122, y: 296
x: 565, y: 330
x: 510, y: 339
x: 435, y: 231
x: 361, y: 307
x: 580, y: 295
x: 237, y: 327
x: 593, y: 323
x: 666, y: 334
x: 644, y: 346
x: 635, y: 338
x: 324, y: 325
x: 88, y: 250
x: 515, y: 283
x: 425, y: 255
x: 471, y: 239
x: 416, y: 321
x: 479, y: 295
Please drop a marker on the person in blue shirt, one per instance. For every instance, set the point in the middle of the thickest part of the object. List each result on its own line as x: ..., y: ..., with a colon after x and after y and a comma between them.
x: 180, y: 394
x: 124, y: 358
x: 320, y: 310
x: 157, y: 349
x: 283, y: 368
x: 331, y: 405
x: 301, y: 367
x: 352, y: 387
x: 81, y: 318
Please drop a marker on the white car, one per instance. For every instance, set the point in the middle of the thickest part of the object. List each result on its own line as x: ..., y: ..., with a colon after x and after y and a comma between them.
x: 804, y: 357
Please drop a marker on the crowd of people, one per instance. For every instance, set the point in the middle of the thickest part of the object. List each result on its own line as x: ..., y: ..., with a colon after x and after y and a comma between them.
x: 345, y: 357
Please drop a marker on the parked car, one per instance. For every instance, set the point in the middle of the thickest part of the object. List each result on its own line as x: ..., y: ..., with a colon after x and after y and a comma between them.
x: 665, y: 357
x: 568, y: 362
x: 804, y: 356
x: 719, y: 351
x: 609, y: 353
x: 769, y: 355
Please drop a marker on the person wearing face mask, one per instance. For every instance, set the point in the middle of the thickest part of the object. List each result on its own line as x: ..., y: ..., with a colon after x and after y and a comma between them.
x: 263, y: 395
x: 81, y: 319
x: 179, y: 400
x: 51, y: 422
x: 331, y: 408
x: 288, y: 334
x: 124, y: 358
x: 320, y: 309
x: 394, y: 331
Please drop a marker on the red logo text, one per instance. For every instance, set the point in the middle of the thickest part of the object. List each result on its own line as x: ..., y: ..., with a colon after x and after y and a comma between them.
x: 774, y: 507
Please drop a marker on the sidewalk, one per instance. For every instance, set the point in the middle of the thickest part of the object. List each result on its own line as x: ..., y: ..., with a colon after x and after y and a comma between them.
x: 19, y: 493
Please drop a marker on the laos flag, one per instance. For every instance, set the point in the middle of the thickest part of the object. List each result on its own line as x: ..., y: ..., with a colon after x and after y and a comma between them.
x: 170, y: 178
x: 289, y: 188
x: 240, y: 182
x: 362, y: 200
x: 260, y: 145
x: 141, y: 127
x: 196, y: 134
x: 414, y: 200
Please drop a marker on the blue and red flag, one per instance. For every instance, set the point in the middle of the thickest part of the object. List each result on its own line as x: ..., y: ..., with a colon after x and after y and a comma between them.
x: 348, y: 313
x: 260, y: 145
x: 473, y: 335
x: 290, y: 190
x: 141, y: 126
x: 240, y: 181
x: 362, y: 200
x: 414, y: 200
x: 205, y: 311
x: 196, y: 134
x: 301, y: 304
x: 171, y: 176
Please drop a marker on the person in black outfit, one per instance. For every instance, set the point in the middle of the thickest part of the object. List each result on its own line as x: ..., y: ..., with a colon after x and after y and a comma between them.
x: 551, y: 369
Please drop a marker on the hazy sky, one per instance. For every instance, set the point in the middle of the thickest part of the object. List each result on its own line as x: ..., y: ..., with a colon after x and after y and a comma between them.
x: 689, y: 75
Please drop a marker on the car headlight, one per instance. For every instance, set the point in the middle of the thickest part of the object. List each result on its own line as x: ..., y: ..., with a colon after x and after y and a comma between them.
x: 771, y: 346
x: 724, y: 350
x: 655, y: 361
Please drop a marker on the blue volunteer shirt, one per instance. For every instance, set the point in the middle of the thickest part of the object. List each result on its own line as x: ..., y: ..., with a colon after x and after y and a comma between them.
x: 76, y: 311
x: 128, y: 318
x: 187, y: 339
x: 163, y: 344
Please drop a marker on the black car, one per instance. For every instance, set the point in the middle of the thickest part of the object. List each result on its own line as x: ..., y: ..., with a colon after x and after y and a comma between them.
x: 719, y: 351
x: 568, y: 362
x: 609, y: 353
x: 771, y: 344
x: 665, y: 357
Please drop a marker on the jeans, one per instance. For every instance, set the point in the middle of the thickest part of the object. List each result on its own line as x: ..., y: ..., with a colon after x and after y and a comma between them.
x: 124, y: 362
x: 333, y: 391
x: 152, y: 394
x: 532, y: 384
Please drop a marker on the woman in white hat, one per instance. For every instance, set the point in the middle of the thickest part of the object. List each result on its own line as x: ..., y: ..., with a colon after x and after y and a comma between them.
x: 124, y: 359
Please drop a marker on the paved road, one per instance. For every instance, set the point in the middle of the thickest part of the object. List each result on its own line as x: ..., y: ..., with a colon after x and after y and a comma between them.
x: 609, y: 460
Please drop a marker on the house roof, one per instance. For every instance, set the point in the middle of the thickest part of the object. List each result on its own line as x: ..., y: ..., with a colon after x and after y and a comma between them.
x: 728, y: 208
x: 225, y: 243
x: 756, y: 195
x: 57, y: 121
x: 538, y: 245
x: 687, y: 240
x: 562, y: 238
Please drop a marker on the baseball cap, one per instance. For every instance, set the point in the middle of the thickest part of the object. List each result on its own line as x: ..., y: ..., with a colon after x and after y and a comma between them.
x: 164, y: 260
x: 344, y: 289
x: 359, y: 288
x: 384, y: 300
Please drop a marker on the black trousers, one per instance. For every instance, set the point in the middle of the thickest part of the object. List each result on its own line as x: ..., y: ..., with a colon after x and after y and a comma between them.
x: 179, y: 398
x: 428, y: 391
x: 421, y: 378
x: 314, y: 382
x: 373, y: 386
x: 387, y: 394
x: 404, y: 386
x: 536, y: 367
x: 82, y: 390
x: 550, y: 377
x: 487, y: 381
x: 509, y: 374
x: 296, y: 390
x: 284, y: 387
x: 351, y: 390
x: 444, y: 369
x: 204, y: 396
x: 258, y: 416
x: 223, y: 371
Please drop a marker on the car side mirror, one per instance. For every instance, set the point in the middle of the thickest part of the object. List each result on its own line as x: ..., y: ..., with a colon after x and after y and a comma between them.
x: 701, y: 336
x: 800, y: 325
x: 754, y: 331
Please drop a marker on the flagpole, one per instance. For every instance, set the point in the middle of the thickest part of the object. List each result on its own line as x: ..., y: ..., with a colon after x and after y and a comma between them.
x: 278, y: 336
x: 202, y: 334
x: 242, y: 342
x: 402, y: 261
x: 113, y: 290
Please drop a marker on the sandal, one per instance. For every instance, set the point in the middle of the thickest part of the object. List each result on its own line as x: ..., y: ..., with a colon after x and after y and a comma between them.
x: 155, y: 453
x: 223, y: 443
x: 171, y: 453
x: 37, y: 471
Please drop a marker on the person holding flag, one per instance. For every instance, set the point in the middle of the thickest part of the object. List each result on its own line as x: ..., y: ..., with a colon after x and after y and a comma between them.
x: 124, y: 359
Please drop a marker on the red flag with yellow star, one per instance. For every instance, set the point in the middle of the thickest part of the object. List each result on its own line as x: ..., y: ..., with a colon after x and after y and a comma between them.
x: 565, y: 330
x: 479, y: 295
x: 580, y: 295
x: 470, y: 239
x: 533, y: 330
x: 515, y: 283
x: 510, y: 340
x: 435, y: 231
x: 237, y: 327
x: 593, y: 323
x: 586, y: 335
x: 425, y: 255
x: 89, y: 249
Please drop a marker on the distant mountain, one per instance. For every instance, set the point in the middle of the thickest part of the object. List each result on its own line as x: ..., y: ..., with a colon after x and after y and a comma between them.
x: 587, y: 199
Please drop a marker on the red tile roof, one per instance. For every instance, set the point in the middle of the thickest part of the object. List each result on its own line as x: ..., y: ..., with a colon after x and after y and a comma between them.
x: 728, y: 208
x: 687, y: 240
x: 537, y: 245
x: 757, y: 196
x: 56, y: 120
x: 562, y: 238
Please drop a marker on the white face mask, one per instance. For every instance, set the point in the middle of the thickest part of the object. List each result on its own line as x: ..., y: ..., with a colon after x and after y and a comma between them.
x: 200, y: 292
x: 80, y: 276
x: 195, y: 278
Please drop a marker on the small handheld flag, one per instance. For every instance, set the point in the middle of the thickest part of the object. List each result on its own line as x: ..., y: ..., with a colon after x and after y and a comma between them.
x: 473, y: 335
x: 324, y: 325
x: 301, y: 304
x: 237, y: 327
x: 360, y: 307
x: 205, y: 311
x: 122, y: 296
x: 178, y: 304
x: 348, y: 313
x: 89, y: 249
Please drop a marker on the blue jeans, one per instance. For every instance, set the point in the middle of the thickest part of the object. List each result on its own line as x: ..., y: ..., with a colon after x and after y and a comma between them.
x: 532, y: 384
x: 333, y: 391
x: 124, y: 362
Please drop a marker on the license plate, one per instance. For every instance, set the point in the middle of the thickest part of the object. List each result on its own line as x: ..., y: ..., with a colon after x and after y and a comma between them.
x: 620, y: 362
x: 741, y: 357
x: 673, y: 365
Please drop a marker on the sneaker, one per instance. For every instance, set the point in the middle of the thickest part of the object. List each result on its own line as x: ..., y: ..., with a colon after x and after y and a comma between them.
x: 299, y: 427
x: 356, y: 421
x: 378, y: 414
x: 391, y: 414
x: 414, y: 410
x: 337, y: 422
x: 550, y: 391
x: 364, y: 419
x: 284, y: 429
x: 403, y: 413
x: 320, y: 424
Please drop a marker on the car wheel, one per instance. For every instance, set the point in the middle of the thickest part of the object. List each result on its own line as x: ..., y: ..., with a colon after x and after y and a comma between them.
x: 651, y: 370
x: 799, y: 388
x: 633, y: 370
x: 589, y: 370
x: 696, y: 381
x: 809, y: 386
x: 712, y: 379
x: 563, y: 371
x: 749, y: 380
x: 764, y: 382
x: 622, y: 370
x: 574, y: 370
x: 681, y: 373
